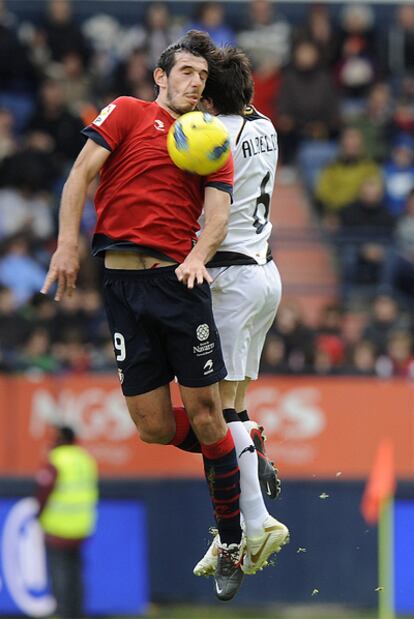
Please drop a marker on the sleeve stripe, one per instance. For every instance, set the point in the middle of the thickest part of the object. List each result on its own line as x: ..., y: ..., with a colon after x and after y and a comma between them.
x: 96, y: 137
x: 222, y: 186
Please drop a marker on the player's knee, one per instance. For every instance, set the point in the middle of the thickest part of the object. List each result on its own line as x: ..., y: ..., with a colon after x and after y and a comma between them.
x: 151, y: 431
x: 204, y: 416
x: 157, y: 436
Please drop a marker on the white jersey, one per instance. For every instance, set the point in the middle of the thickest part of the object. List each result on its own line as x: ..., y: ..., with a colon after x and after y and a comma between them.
x: 255, y: 152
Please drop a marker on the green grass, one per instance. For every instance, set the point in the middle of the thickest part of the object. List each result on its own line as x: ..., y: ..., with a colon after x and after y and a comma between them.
x: 228, y: 612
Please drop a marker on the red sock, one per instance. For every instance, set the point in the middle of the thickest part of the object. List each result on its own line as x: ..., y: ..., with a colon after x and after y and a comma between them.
x: 184, y: 437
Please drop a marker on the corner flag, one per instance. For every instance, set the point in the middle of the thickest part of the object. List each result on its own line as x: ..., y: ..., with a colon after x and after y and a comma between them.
x: 378, y: 506
x: 381, y: 482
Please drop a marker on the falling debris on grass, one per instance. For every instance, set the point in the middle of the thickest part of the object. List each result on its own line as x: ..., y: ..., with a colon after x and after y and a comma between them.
x: 315, y: 592
x: 379, y: 589
x: 324, y: 495
x: 300, y: 550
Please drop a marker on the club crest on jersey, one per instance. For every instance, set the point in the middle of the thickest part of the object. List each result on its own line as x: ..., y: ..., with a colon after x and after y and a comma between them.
x: 159, y: 125
x: 103, y: 114
x: 202, y: 332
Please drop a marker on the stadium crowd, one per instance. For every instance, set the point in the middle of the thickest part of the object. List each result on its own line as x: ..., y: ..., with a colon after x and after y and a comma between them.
x: 339, y: 88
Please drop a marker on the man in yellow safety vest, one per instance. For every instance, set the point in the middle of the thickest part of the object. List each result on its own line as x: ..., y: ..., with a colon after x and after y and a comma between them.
x: 67, y: 492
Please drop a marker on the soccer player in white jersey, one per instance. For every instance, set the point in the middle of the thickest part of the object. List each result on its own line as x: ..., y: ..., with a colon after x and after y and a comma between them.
x: 246, y: 292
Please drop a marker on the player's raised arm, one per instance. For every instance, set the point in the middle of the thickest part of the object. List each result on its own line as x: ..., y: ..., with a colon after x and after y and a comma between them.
x: 216, y: 211
x: 64, y: 264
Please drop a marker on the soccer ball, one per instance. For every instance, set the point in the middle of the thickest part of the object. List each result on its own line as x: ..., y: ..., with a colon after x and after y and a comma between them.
x: 198, y: 142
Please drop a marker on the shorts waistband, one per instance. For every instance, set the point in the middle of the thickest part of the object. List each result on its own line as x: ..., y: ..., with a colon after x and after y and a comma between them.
x: 134, y: 274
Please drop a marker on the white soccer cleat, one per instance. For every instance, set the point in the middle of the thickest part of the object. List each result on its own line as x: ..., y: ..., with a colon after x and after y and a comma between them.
x: 207, y: 565
x: 259, y: 549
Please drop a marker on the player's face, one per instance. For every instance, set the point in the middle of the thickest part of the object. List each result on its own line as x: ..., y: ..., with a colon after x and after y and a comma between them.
x: 185, y: 83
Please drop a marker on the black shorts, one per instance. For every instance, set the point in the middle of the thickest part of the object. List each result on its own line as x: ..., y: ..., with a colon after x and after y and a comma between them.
x: 161, y: 329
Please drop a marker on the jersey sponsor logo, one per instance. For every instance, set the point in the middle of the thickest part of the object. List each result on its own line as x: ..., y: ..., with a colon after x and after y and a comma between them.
x: 203, y: 349
x: 103, y: 115
x: 208, y: 367
x: 202, y: 332
x: 159, y: 125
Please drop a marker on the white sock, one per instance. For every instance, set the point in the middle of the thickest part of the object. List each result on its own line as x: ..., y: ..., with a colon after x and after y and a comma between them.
x: 252, y: 505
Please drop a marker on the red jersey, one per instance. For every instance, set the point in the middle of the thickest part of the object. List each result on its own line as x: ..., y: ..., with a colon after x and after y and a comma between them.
x: 143, y: 200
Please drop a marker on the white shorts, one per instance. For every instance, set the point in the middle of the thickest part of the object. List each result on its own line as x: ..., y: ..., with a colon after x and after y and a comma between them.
x: 245, y: 301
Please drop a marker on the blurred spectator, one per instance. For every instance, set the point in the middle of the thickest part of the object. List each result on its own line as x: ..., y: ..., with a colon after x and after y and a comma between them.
x: 273, y: 359
x: 398, y: 273
x: 362, y: 360
x: 32, y: 169
x: 339, y: 182
x: 307, y: 103
x: 69, y: 317
x: 25, y: 211
x: 36, y: 354
x: 319, y: 29
x: 209, y: 17
x: 297, y: 337
x: 102, y: 358
x: 7, y: 18
x: 104, y: 35
x: 267, y: 79
x: 133, y: 74
x: 42, y: 313
x: 266, y: 36
x: 17, y: 73
x: 61, y: 32
x: 72, y: 352
x: 75, y: 82
x: 8, y: 142
x: 374, y: 121
x: 400, y: 43
x: 399, y: 173
x: 403, y: 116
x: 14, y: 326
x: 385, y: 318
x: 156, y: 33
x: 398, y: 359
x: 19, y: 271
x: 354, y: 322
x: 93, y: 316
x: 323, y: 362
x: 356, y: 69
x: 52, y: 119
x: 364, y: 236
x: 329, y: 344
x: 330, y: 320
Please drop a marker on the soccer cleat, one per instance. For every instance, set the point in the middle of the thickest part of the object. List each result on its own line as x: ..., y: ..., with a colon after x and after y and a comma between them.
x: 207, y: 565
x: 268, y: 473
x: 259, y: 549
x: 228, y: 574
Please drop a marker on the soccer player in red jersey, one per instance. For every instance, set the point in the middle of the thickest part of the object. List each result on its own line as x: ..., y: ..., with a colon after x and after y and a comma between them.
x: 156, y: 286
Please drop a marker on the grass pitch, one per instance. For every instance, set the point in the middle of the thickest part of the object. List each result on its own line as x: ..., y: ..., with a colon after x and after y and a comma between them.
x: 288, y: 612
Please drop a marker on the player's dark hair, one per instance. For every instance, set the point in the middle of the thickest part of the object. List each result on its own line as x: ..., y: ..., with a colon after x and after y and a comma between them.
x: 195, y: 42
x: 230, y: 83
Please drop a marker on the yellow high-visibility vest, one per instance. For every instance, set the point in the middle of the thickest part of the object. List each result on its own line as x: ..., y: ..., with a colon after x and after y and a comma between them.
x: 70, y: 511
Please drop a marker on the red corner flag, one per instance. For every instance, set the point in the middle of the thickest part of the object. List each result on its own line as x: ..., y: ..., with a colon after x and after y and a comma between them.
x: 381, y: 482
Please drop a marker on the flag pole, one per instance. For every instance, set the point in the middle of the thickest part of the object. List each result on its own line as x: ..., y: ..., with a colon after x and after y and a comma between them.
x: 386, y: 608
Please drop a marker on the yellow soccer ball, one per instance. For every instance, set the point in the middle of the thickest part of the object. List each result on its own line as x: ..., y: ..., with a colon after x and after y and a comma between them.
x: 198, y: 142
